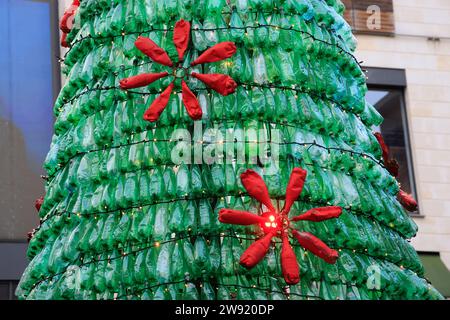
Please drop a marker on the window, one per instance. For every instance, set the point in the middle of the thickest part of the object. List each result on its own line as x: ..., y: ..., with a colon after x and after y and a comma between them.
x: 389, y: 102
x: 28, y: 82
x: 386, y: 93
x: 7, y: 289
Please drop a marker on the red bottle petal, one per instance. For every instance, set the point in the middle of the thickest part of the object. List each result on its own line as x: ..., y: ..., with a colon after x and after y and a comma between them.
x: 289, y: 264
x: 317, y: 247
x: 294, y: 188
x: 242, y: 218
x: 190, y: 102
x: 256, y: 251
x: 64, y: 40
x: 319, y: 214
x: 30, y: 236
x: 141, y: 80
x: 220, y: 51
x: 152, y: 50
x: 256, y: 187
x: 66, y: 22
x: 384, y: 147
x: 221, y: 83
x: 38, y: 203
x: 63, y: 25
x: 392, y: 166
x: 157, y: 107
x: 407, y: 201
x: 181, y: 36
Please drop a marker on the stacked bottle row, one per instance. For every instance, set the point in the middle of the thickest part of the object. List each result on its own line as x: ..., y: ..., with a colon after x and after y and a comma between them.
x: 97, y: 166
x: 298, y: 69
x: 296, y: 33
x: 190, y: 258
x: 311, y: 65
x: 113, y: 108
x: 127, y: 16
x: 99, y: 231
x: 356, y: 172
x: 280, y: 105
x: 274, y: 105
x: 112, y: 127
x: 236, y: 288
x: 224, y: 142
x: 91, y: 196
x: 231, y: 24
x: 298, y: 40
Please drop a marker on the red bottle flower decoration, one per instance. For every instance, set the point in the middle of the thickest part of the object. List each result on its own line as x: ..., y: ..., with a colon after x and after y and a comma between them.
x: 38, y: 203
x: 406, y: 200
x: 221, y: 83
x: 66, y: 23
x: 390, y: 163
x: 277, y: 224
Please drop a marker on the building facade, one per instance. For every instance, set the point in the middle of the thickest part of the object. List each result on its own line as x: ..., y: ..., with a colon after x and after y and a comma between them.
x: 419, y: 45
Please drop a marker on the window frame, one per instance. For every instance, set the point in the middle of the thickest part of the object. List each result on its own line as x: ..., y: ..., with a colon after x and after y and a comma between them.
x: 11, y: 285
x: 55, y: 45
x: 395, y: 79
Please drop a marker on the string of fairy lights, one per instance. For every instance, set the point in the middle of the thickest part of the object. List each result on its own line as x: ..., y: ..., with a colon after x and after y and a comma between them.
x: 228, y: 27
x: 244, y: 28
x: 353, y: 153
x: 141, y: 206
x: 217, y: 285
x: 303, y: 163
x: 157, y: 244
x: 221, y: 142
x: 297, y: 88
x: 175, y: 239
x: 223, y: 119
x: 233, y: 295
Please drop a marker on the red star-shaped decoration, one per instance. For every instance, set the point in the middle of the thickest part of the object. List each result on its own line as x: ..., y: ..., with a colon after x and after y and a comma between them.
x: 221, y: 83
x: 405, y: 199
x: 277, y: 224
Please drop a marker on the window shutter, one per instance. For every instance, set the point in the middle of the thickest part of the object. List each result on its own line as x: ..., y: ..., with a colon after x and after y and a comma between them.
x: 370, y: 16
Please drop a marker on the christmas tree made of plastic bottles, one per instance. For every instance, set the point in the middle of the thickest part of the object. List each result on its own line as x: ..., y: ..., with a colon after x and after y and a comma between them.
x: 121, y: 220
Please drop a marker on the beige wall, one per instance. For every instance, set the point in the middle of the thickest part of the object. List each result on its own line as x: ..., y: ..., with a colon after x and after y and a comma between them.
x: 427, y: 65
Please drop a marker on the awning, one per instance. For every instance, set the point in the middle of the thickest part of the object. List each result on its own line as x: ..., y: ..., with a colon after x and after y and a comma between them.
x: 436, y: 272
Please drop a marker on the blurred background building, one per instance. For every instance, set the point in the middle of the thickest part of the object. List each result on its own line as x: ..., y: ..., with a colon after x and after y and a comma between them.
x: 404, y: 45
